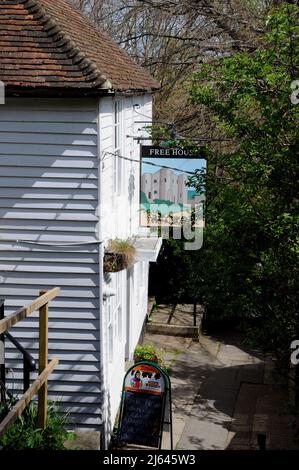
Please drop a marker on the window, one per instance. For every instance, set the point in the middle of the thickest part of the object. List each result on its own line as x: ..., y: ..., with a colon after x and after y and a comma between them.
x: 165, y: 179
x: 110, y: 329
x: 111, y: 342
x: 136, y: 282
x: 141, y: 274
x: 120, y: 322
x: 114, y: 312
x: 155, y: 192
x: 118, y: 162
x: 139, y: 280
x: 155, y: 181
x: 118, y: 309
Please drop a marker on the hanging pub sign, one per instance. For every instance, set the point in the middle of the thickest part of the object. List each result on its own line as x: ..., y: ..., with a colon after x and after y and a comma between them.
x: 151, y: 151
x: 167, y: 196
x: 146, y: 393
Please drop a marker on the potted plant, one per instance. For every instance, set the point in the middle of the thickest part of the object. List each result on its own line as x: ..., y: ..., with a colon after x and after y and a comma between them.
x: 119, y: 255
x: 148, y: 352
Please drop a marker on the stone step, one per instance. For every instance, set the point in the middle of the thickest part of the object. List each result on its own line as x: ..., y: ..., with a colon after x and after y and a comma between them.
x: 173, y: 330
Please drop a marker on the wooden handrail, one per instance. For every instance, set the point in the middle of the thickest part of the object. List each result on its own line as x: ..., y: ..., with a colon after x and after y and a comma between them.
x: 27, y: 397
x: 24, y: 312
x: 40, y: 384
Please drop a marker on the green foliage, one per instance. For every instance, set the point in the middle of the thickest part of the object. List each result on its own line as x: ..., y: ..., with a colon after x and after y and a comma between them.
x: 5, y: 407
x: 175, y: 276
x: 25, y: 434
x: 161, y: 134
x: 247, y: 270
x: 249, y: 262
x: 148, y: 352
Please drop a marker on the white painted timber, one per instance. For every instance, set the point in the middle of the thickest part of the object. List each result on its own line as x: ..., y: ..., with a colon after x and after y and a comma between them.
x: 57, y: 163
x: 49, y: 193
x: 120, y: 219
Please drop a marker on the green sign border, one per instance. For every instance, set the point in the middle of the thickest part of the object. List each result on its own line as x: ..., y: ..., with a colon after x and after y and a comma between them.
x: 167, y: 384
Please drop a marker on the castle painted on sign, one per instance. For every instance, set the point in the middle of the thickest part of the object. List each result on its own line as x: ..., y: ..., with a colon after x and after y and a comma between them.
x: 165, y: 185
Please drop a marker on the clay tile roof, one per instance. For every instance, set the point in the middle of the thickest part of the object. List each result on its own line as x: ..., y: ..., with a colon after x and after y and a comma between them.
x: 49, y: 44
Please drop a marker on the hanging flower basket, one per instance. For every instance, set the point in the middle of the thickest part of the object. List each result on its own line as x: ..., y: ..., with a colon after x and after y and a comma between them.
x: 118, y: 256
x: 114, y: 262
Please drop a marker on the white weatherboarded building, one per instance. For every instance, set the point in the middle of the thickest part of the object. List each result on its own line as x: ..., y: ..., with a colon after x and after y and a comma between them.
x: 71, y: 101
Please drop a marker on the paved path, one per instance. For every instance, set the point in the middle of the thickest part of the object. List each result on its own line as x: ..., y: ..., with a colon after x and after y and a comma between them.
x: 223, y: 396
x: 219, y: 398
x: 206, y: 378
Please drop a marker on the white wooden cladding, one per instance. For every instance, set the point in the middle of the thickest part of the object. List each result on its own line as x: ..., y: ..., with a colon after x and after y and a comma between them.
x: 50, y: 156
x: 49, y: 193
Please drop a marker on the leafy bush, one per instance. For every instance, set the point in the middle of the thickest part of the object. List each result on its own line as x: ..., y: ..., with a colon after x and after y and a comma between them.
x: 25, y: 433
x: 148, y: 352
x: 5, y: 407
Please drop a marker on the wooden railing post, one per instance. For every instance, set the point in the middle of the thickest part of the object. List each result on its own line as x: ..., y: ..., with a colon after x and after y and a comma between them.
x: 40, y: 385
x: 43, y: 363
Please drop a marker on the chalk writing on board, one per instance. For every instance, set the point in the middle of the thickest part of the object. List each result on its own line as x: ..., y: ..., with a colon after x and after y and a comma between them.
x: 141, y: 420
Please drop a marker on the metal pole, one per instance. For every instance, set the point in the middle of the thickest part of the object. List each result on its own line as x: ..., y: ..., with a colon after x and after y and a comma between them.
x: 26, y: 375
x: 164, y: 403
x: 29, y: 364
x: 170, y: 417
x: 2, y: 354
x: 261, y: 440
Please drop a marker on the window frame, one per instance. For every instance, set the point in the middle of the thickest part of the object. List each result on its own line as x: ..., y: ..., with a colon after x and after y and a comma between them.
x: 115, y: 320
x: 118, y: 169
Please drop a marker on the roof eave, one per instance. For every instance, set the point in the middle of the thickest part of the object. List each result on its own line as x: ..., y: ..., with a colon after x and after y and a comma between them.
x: 55, y: 91
x: 136, y: 90
x: 67, y: 90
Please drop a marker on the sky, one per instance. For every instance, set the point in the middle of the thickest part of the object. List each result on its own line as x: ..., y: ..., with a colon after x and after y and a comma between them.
x: 182, y: 164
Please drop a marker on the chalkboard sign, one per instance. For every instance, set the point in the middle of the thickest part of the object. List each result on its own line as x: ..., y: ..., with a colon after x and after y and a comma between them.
x: 141, y: 420
x: 143, y: 405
